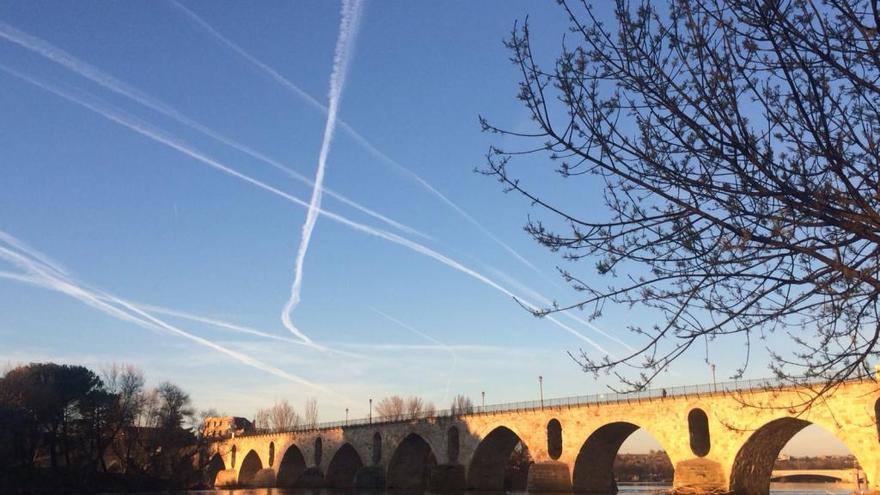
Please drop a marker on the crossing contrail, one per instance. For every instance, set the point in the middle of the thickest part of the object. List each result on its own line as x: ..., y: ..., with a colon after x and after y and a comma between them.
x: 36, y: 266
x: 357, y: 136
x: 541, y: 299
x: 161, y: 137
x: 348, y: 27
x: 107, y: 81
x: 152, y: 309
x: 363, y: 141
x: 427, y: 337
x: 235, y: 327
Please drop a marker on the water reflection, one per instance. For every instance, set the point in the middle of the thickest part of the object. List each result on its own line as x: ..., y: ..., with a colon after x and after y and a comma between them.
x: 635, y: 488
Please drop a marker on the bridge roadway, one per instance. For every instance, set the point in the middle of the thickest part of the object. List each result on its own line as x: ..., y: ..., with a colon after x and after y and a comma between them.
x: 719, y: 437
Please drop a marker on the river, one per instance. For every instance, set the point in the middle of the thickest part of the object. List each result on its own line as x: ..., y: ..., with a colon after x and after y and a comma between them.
x: 634, y: 489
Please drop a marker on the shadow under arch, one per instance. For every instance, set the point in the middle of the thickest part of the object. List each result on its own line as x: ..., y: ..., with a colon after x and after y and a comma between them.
x: 292, y: 466
x: 343, y: 467
x: 249, y: 467
x: 594, y: 465
x: 411, y: 464
x: 754, y: 463
x: 488, y: 465
x: 806, y: 478
x: 215, y: 465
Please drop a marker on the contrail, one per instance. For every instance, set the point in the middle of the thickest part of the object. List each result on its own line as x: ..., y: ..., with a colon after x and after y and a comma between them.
x: 547, y: 302
x: 342, y: 56
x: 158, y: 136
x: 44, y: 260
x: 358, y: 137
x: 429, y: 339
x: 235, y: 327
x: 33, y: 263
x: 250, y: 58
x: 36, y: 281
x: 111, y: 83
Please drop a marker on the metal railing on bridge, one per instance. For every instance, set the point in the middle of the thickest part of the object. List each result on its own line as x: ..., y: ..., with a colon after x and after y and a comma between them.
x: 739, y: 386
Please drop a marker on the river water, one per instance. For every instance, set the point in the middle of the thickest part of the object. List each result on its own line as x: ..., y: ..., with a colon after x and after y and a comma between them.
x: 634, y: 489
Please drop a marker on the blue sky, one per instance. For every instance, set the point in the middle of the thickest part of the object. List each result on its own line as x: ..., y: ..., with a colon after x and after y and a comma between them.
x: 133, y: 217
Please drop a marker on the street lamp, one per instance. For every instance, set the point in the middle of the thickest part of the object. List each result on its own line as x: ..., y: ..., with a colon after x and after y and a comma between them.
x: 714, y: 383
x: 346, y: 416
x: 371, y: 411
x: 484, y: 399
x: 541, y: 385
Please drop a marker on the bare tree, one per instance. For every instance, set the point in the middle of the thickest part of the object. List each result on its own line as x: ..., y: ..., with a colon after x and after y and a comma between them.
x: 735, y: 143
x: 310, y: 413
x: 262, y: 420
x: 284, y: 418
x: 461, y: 405
x: 414, y: 407
x: 127, y: 382
x: 396, y: 408
x: 391, y: 408
x: 175, y: 406
x: 150, y: 411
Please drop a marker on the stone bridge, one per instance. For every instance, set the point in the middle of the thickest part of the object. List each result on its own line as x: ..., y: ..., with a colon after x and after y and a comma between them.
x: 718, y: 437
x: 823, y: 475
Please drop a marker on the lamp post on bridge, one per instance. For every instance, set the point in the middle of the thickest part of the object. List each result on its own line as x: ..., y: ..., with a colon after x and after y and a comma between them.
x: 714, y: 383
x: 346, y: 416
x: 541, y: 386
x: 483, y: 408
x: 371, y: 411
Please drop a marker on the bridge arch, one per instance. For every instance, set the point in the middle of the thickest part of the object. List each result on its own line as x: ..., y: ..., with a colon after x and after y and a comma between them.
x: 343, y: 467
x: 754, y: 462
x: 292, y: 466
x: 249, y: 467
x: 215, y: 465
x: 411, y: 464
x: 594, y: 466
x: 489, y: 462
x: 807, y: 478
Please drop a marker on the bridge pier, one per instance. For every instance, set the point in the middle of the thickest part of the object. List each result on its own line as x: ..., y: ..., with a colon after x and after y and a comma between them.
x: 311, y: 478
x: 226, y: 478
x: 370, y: 478
x: 700, y: 475
x: 549, y: 476
x: 264, y: 478
x: 448, y: 478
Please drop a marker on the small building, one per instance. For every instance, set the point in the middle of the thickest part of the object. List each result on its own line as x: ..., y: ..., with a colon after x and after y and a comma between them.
x: 226, y: 426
